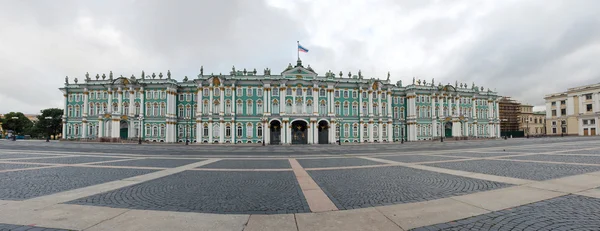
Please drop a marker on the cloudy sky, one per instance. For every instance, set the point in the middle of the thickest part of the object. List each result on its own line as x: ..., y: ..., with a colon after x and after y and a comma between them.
x: 523, y: 49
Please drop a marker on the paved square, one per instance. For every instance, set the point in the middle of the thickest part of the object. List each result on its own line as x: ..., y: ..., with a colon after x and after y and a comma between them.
x: 559, y: 158
x: 570, y: 212
x: 159, y: 163
x: 9, y: 227
x: 366, y: 187
x: 482, y: 154
x: 416, y: 158
x: 14, y: 156
x: 249, y: 164
x: 335, y: 162
x: 16, y: 166
x: 27, y: 184
x: 211, y: 192
x: 522, y: 170
x: 70, y: 160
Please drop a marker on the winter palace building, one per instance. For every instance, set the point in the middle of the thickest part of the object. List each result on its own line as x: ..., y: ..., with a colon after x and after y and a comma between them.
x: 294, y: 107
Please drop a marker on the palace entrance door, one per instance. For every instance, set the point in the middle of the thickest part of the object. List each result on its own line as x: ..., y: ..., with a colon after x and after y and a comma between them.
x: 299, y: 132
x: 448, y: 129
x: 275, y: 132
x: 323, y: 132
x: 124, y: 129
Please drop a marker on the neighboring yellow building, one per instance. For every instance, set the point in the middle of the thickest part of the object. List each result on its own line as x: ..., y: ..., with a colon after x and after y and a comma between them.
x: 531, y: 123
x: 574, y: 112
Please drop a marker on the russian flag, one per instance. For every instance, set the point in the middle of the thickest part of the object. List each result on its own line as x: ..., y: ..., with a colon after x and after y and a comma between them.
x: 302, y: 49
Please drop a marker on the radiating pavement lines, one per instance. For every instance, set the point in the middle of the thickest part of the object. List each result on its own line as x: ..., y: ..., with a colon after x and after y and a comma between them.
x: 317, y: 200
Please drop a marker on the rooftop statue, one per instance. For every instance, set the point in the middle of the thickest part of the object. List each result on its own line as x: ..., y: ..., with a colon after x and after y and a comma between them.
x: 103, y: 76
x: 388, y: 76
x: 67, y: 79
x: 413, y: 80
x: 168, y: 74
x: 433, y: 82
x: 75, y: 80
x: 349, y: 74
x: 143, y: 74
x: 201, y: 70
x: 97, y: 76
x: 160, y: 75
x: 87, y: 77
x: 153, y: 75
x: 341, y: 74
x: 254, y: 71
x: 185, y: 79
x: 110, y: 76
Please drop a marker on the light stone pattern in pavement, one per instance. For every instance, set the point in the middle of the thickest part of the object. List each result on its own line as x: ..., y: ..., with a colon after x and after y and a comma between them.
x: 249, y: 164
x: 523, y: 170
x: 4, y: 166
x: 560, y: 158
x: 571, y: 212
x: 335, y: 162
x: 9, y: 227
x: 68, y: 160
x: 20, y: 185
x: 15, y: 156
x: 359, y: 188
x: 160, y: 163
x: 211, y: 192
x: 416, y: 158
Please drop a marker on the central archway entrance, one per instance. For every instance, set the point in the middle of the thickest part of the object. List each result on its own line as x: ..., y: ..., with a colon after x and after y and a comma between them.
x: 123, y: 129
x: 448, y: 129
x: 275, y: 132
x: 299, y: 132
x: 323, y: 132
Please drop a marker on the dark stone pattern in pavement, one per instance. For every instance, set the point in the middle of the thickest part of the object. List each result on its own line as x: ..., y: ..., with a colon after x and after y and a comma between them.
x: 39, y: 182
x: 571, y: 212
x: 17, y: 166
x: 159, y: 163
x: 335, y: 162
x: 560, y: 158
x: 590, y: 152
x: 9, y: 227
x: 14, y: 156
x: 70, y: 160
x: 249, y: 164
x: 366, y: 187
x: 481, y: 154
x: 416, y: 158
x: 522, y: 170
x: 211, y: 192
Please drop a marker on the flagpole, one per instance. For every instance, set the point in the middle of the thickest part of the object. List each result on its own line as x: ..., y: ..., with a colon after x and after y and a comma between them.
x: 298, y: 49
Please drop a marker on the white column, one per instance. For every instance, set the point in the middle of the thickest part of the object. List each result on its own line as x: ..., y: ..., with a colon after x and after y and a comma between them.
x: 390, y: 131
x: 233, y: 130
x: 110, y: 101
x: 120, y: 101
x: 100, y: 128
x: 199, y: 129
x: 131, y: 103
x: 222, y: 101
x: 267, y: 132
x: 303, y: 111
x: 265, y: 101
x: 315, y: 132
x: 360, y: 132
x: 596, y: 105
x: 142, y: 105
x: 389, y: 104
x: 360, y: 112
x: 210, y: 132
x: 370, y: 132
x: 210, y: 100
x: 315, y: 100
x: 294, y: 109
x: 310, y: 132
x: 233, y: 102
x: 558, y: 114
x: 282, y: 101
x: 329, y: 101
x: 221, y: 132
x: 86, y: 107
x: 379, y: 112
x: 84, y: 126
x: 199, y: 101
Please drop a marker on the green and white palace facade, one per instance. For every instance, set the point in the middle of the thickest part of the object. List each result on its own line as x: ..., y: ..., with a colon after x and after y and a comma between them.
x: 297, y: 106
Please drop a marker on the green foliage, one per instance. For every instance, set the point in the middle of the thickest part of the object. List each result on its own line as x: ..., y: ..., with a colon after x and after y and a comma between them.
x: 20, y: 125
x: 45, y: 127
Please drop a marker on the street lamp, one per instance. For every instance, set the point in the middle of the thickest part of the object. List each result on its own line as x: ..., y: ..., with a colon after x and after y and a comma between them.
x: 527, y: 128
x: 187, y: 142
x: 442, y: 126
x: 140, y: 132
x: 340, y: 120
x: 49, y: 121
x: 15, y: 128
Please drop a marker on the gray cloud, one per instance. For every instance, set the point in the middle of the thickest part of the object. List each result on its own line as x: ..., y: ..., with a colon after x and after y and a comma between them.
x: 521, y: 49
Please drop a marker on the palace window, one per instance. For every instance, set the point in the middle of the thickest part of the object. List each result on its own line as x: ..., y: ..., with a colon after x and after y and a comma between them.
x: 137, y: 108
x: 396, y: 131
x: 588, y: 96
x: 365, y: 131
x: 125, y: 108
x: 346, y: 130
x: 249, y: 129
x: 355, y: 130
x: 322, y: 108
x: 375, y: 130
x: 239, y: 130
x: 383, y: 95
x: 354, y: 94
x: 275, y: 107
x: 259, y: 107
x: 322, y: 92
x: 249, y: 91
x: 364, y: 108
x: 259, y: 92
x: 180, y: 130
x: 91, y: 109
x: 126, y: 95
x: 309, y: 92
x: 227, y: 130
x: 155, y: 131
x: 180, y: 114
x: 354, y: 109
x: 346, y: 94
x: 337, y: 93
x: 155, y: 112
x: 239, y: 91
x: 188, y: 111
x: 288, y: 91
x: 216, y: 106
x: 299, y: 91
x: 383, y: 109
x: 205, y: 92
x: 337, y: 108
x: 217, y: 91
x: 77, y: 111
x: 384, y: 130
x: 163, y: 109
x: 374, y: 109
x: 288, y: 107
x: 374, y: 95
x: 364, y: 95
x: 216, y: 130
x: 228, y: 107
x: 249, y: 107
x: 98, y: 109
x: 240, y: 107
x: 259, y: 130
x: 163, y: 94
x: 228, y: 92
x: 337, y: 131
x: 275, y: 91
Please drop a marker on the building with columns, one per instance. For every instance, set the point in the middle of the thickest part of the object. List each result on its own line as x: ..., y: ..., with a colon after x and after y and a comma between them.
x: 296, y: 106
x: 574, y: 112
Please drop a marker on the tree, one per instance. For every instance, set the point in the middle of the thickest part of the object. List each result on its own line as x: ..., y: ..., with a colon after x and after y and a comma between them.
x: 50, y: 126
x: 19, y: 125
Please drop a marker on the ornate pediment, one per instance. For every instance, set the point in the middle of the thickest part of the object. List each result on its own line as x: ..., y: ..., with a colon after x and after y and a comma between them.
x: 299, y: 72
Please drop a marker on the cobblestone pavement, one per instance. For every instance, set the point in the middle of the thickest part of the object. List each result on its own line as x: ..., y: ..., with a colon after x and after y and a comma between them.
x: 228, y: 181
x: 249, y: 164
x: 215, y: 192
x: 159, y: 163
x: 570, y: 212
x: 335, y: 162
x: 359, y: 188
x: 20, y: 185
x: 8, y: 227
x: 522, y: 170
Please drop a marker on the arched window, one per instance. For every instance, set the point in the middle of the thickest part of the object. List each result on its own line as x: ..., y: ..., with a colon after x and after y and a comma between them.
x: 125, y: 108
x: 155, y: 131
x: 375, y: 130
x: 384, y: 109
x: 216, y: 131
x: 288, y: 91
x: 240, y: 107
x: 323, y: 108
x: 288, y: 106
x: 239, y: 131
x: 156, y: 112
x: 375, y: 109
x: 354, y: 109
x: 249, y: 129
x: 365, y: 131
x: 275, y: 107
x: 322, y: 92
x: 309, y: 106
x: 162, y: 130
x: 188, y: 111
x: 299, y: 106
x: 163, y: 109
x: 227, y: 130
x: 384, y: 131
x: 98, y: 109
x: 148, y: 109
x: 396, y: 112
x: 355, y: 130
x: 364, y: 109
x: 137, y: 108
x: 299, y: 91
x: 228, y: 107
x: 337, y: 108
x: 259, y: 130
x: 217, y: 91
x: 76, y: 129
x: 346, y: 130
x: 104, y: 108
x: 346, y: 109
x: 205, y: 130
x: 91, y: 109
x: 259, y: 107
x: 216, y: 106
x: 77, y: 111
x: 205, y: 107
x: 249, y: 107
x: 148, y: 130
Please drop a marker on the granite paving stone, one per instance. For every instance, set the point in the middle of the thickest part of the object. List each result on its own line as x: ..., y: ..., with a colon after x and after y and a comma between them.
x: 249, y: 164
x: 522, y: 170
x: 39, y: 182
x: 16, y: 166
x: 570, y: 212
x: 210, y: 192
x: 9, y: 227
x: 14, y: 156
x: 70, y: 160
x: 366, y: 187
x: 416, y: 158
x: 335, y: 162
x: 560, y: 158
x: 481, y: 154
x: 159, y: 163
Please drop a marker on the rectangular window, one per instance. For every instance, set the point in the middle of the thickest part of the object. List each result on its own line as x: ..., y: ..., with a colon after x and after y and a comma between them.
x: 585, y: 122
x: 180, y: 97
x: 588, y: 107
x: 259, y: 92
x: 588, y: 96
x: 228, y: 92
x: 593, y: 121
x: 345, y: 94
x: 553, y: 103
x: 562, y: 102
x: 309, y: 92
x: 364, y: 95
x: 249, y: 92
x: 354, y: 94
x: 563, y: 112
x: 275, y: 92
x: 238, y: 91
x: 553, y: 112
x: 337, y: 94
x: 205, y: 92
